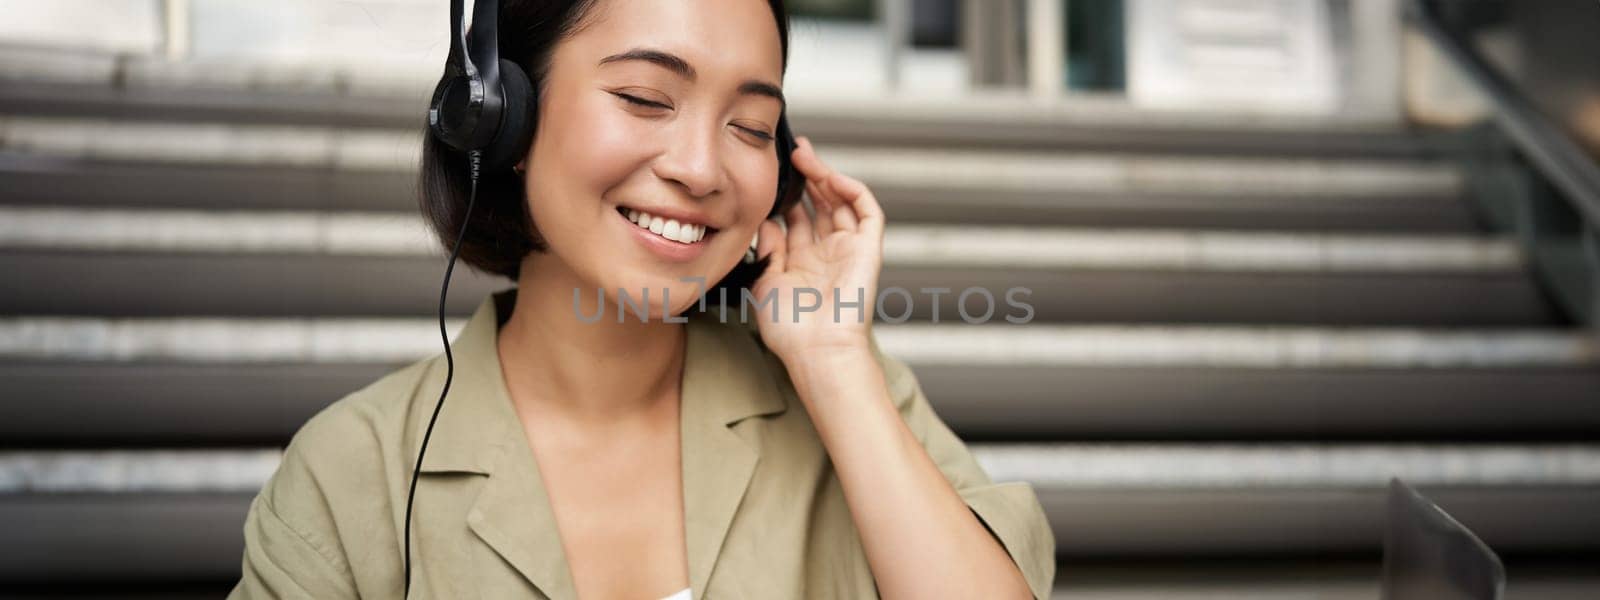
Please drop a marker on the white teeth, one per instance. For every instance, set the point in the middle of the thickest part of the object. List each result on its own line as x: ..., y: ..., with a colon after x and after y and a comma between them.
x: 689, y: 234
x: 686, y: 233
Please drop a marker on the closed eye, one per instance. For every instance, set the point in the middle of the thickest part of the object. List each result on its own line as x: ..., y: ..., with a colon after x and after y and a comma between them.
x: 637, y: 101
x: 765, y: 137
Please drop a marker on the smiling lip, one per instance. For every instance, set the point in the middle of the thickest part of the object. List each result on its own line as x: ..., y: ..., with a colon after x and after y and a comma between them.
x: 680, y: 216
x: 662, y: 247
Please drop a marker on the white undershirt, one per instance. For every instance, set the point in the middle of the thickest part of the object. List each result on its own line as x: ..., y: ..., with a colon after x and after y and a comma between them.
x: 682, y: 594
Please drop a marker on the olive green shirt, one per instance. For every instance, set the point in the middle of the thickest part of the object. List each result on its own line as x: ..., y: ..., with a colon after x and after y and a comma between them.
x: 765, y: 516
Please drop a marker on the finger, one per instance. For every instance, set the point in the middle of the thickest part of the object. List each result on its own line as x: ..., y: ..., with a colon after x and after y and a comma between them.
x: 770, y: 244
x: 844, y: 219
x: 819, y: 184
x: 812, y: 190
x: 820, y: 195
x: 824, y: 220
x: 806, y: 160
x: 840, y: 215
x: 799, y: 237
x: 867, y: 211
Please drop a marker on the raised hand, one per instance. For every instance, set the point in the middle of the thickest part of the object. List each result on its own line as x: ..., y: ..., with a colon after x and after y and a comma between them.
x: 838, y: 255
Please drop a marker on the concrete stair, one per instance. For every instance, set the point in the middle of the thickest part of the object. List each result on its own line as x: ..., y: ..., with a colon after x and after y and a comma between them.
x: 1244, y: 326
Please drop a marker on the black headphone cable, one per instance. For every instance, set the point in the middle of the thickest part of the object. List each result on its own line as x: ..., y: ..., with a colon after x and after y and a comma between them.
x: 475, y: 158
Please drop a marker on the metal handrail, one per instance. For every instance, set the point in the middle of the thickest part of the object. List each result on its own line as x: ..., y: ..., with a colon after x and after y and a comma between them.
x: 1560, y: 159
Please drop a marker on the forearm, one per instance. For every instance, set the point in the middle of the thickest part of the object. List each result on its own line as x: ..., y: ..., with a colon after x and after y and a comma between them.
x: 920, y: 537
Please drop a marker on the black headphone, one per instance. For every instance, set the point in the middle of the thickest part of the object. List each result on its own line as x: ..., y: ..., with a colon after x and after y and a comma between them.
x: 486, y: 107
x: 487, y: 104
x: 483, y: 102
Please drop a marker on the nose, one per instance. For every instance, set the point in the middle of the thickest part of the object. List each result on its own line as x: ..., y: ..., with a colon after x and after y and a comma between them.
x: 692, y: 160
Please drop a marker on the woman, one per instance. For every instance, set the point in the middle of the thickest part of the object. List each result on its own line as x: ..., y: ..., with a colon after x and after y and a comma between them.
x: 641, y: 458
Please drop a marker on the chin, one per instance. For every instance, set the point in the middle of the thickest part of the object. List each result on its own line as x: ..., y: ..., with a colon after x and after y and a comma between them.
x: 640, y: 279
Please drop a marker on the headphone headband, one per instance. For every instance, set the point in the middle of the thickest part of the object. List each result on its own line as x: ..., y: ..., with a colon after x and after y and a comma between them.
x: 469, y: 103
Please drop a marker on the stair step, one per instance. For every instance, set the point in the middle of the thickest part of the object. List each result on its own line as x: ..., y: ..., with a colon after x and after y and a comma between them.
x: 1132, y: 580
x: 356, y: 149
x: 1049, y: 466
x: 1121, y: 500
x: 1223, y: 346
x: 1110, y: 122
x: 1284, y: 466
x: 398, y: 149
x: 344, y: 148
x: 133, y: 88
x: 1121, y: 176
x: 1224, y: 500
x: 1322, y: 578
x: 323, y: 339
x: 123, y: 182
x: 1242, y: 402
x: 1110, y: 382
x: 918, y: 245
x: 145, y: 402
x: 80, y: 160
x: 61, y: 182
x: 134, y: 262
x: 123, y: 539
x: 122, y: 283
x: 83, y: 403
x: 135, y: 471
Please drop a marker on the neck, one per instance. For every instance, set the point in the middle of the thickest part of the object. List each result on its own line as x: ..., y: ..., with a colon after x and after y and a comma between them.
x: 600, y: 371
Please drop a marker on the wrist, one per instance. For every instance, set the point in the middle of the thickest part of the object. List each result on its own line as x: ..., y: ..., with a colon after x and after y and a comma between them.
x: 820, y: 366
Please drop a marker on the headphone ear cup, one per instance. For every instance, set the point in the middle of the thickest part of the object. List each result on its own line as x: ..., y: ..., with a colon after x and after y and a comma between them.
x: 517, y: 119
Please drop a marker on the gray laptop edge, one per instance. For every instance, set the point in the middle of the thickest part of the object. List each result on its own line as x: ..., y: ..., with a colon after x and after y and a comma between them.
x: 1428, y: 555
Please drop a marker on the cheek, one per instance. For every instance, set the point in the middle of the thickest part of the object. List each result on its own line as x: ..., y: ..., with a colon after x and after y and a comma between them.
x: 757, y: 180
x: 591, y: 148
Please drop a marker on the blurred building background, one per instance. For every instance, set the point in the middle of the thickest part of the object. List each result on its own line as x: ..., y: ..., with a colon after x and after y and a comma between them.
x: 1280, y: 251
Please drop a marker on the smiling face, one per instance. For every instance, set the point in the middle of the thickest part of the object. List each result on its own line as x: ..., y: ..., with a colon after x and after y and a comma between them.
x: 665, y: 107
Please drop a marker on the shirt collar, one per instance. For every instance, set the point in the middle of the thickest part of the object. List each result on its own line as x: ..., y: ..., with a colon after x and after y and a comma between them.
x: 728, y: 377
x: 726, y: 373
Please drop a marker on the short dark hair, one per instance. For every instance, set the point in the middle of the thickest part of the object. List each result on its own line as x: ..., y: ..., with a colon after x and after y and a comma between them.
x: 501, y: 232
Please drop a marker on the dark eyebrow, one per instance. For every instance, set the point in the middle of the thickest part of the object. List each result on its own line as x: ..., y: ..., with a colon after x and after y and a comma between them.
x: 672, y: 62
x: 762, y: 88
x: 669, y: 61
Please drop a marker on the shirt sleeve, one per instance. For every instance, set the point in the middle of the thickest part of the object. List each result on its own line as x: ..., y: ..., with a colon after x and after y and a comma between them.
x: 282, y: 562
x: 292, y: 548
x: 1011, y: 510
